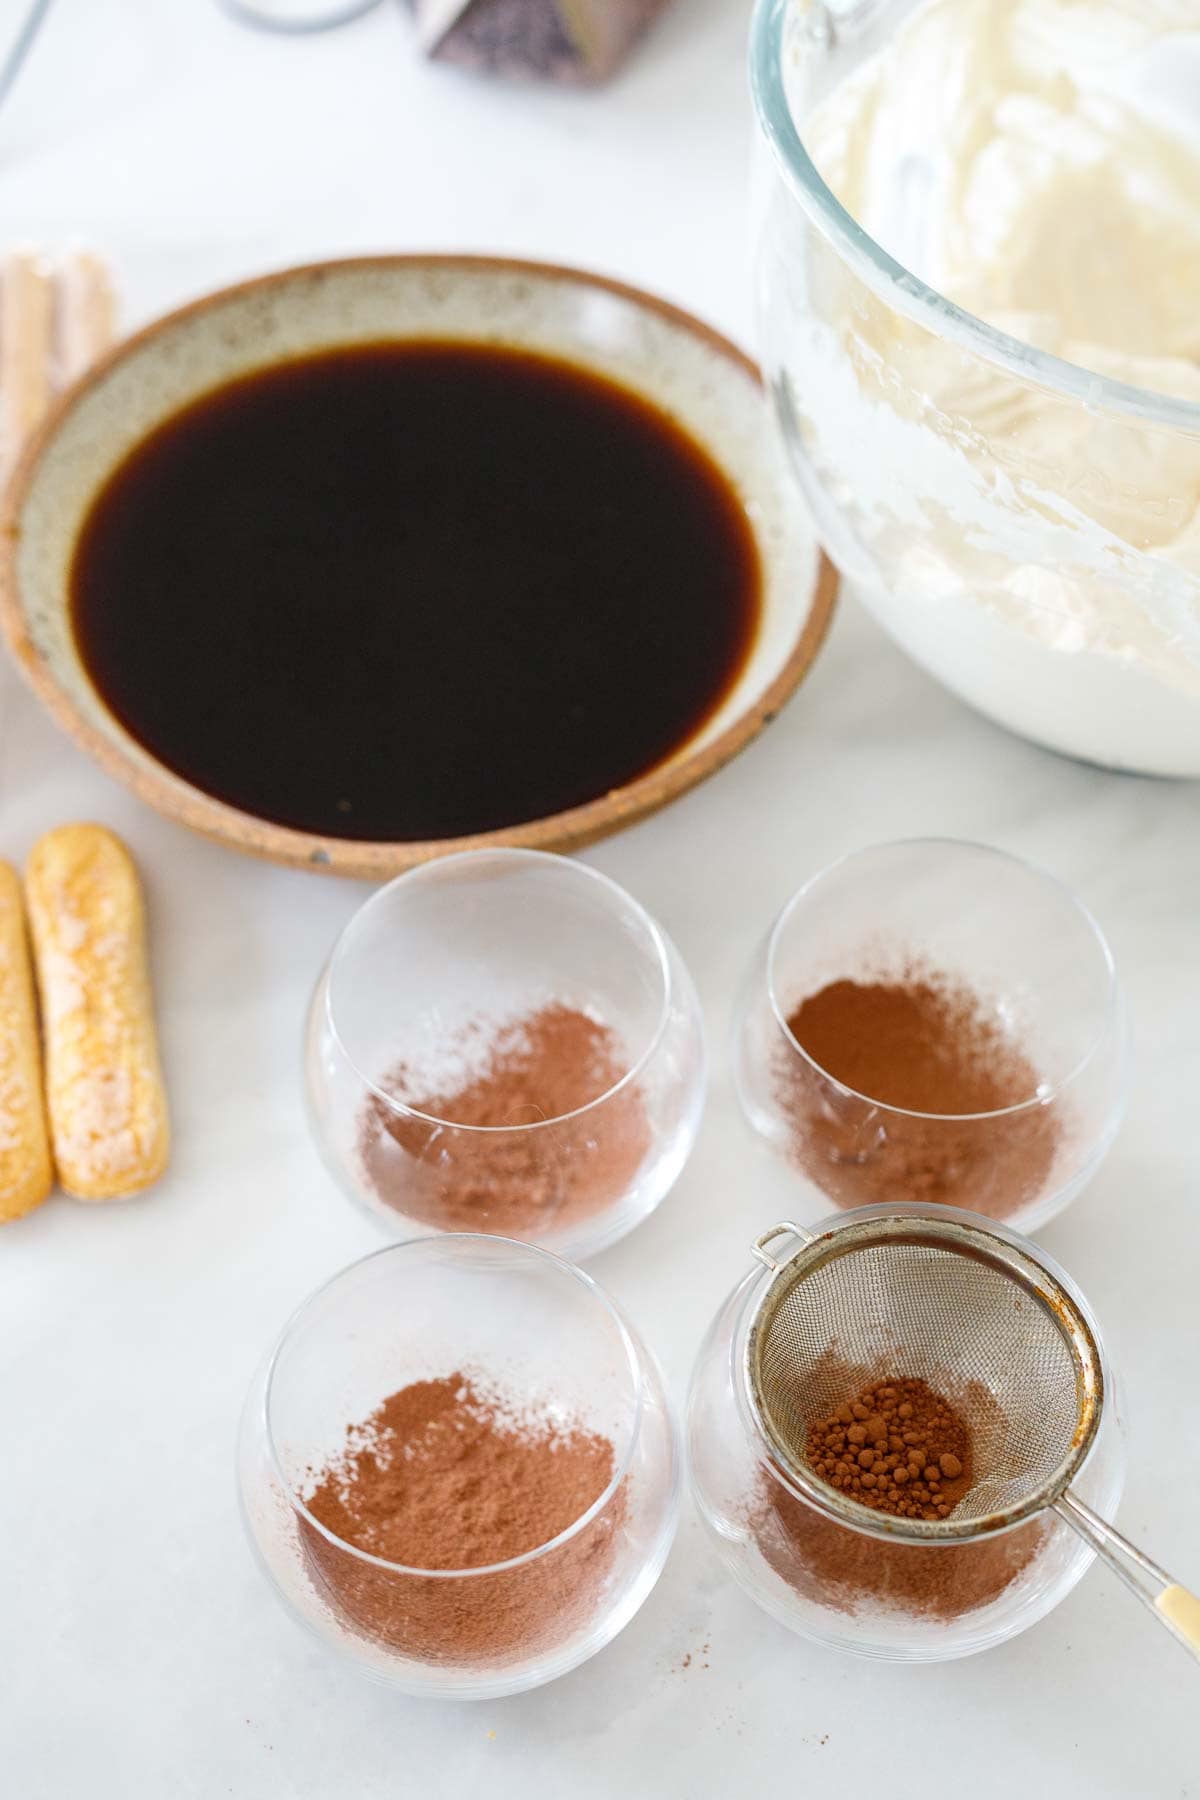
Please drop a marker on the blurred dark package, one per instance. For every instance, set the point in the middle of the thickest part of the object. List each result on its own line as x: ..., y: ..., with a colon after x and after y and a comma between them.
x: 575, y: 41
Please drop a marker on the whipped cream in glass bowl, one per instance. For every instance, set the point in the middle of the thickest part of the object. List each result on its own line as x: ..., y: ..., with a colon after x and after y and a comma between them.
x: 979, y: 300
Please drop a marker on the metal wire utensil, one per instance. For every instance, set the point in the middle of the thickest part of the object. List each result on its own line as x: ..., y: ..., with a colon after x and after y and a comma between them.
x: 940, y: 1295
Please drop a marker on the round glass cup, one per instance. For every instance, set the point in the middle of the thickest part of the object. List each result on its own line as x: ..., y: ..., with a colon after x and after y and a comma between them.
x: 441, y: 964
x: 918, y: 1603
x: 1043, y: 974
x: 1050, y: 588
x: 556, y: 1346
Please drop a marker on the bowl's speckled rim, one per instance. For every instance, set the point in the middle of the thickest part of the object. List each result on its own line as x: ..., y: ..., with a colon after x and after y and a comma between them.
x: 564, y: 831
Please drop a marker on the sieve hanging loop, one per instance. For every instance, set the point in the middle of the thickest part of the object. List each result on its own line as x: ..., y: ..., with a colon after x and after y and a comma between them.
x: 785, y: 1228
x: 1172, y: 1605
x: 984, y: 1317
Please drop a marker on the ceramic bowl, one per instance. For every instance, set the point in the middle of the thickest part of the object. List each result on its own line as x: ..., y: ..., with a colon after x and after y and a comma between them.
x: 698, y: 377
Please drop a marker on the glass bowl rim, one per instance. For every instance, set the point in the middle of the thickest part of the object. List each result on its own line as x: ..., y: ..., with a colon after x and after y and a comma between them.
x: 654, y: 932
x: 1110, y: 1027
x: 447, y: 1242
x: 904, y: 291
x: 744, y: 1300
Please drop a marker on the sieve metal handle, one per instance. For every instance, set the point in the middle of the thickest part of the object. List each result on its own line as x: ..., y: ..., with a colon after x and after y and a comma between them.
x: 1172, y: 1605
x: 785, y: 1228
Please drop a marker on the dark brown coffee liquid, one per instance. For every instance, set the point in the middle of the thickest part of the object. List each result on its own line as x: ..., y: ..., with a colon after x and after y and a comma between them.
x: 415, y: 590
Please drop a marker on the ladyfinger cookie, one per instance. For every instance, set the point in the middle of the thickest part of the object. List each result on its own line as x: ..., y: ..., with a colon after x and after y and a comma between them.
x: 26, y: 1174
x: 104, y: 1088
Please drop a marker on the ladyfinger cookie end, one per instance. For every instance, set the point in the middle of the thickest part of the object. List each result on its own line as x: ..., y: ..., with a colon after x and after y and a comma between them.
x: 104, y: 1088
x: 26, y: 1172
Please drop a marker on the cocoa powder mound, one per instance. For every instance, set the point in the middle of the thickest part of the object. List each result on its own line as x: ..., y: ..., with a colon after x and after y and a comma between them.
x: 848, y: 1572
x: 544, y: 1067
x: 923, y: 1044
x: 443, y: 1475
x: 897, y: 1447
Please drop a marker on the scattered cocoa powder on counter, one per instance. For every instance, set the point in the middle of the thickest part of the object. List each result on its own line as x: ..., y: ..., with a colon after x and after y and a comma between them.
x: 843, y: 1569
x: 544, y: 1067
x: 925, y: 1045
x: 445, y: 1475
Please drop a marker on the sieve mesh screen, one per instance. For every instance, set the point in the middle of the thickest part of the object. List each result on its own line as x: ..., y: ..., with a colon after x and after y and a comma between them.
x: 1004, y: 1358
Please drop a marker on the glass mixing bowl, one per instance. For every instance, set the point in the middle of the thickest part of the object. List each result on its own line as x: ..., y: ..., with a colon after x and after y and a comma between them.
x: 569, y: 1147
x: 1023, y: 526
x: 846, y: 1588
x: 557, y: 1347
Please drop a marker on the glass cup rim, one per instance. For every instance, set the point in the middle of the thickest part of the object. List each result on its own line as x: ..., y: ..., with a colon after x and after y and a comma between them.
x: 621, y: 1465
x: 650, y: 925
x: 903, y: 290
x: 744, y: 1295
x: 1112, y: 1008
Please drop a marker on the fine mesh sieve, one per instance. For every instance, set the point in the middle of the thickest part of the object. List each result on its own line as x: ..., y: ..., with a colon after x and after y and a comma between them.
x: 968, y: 1312
x: 975, y: 1312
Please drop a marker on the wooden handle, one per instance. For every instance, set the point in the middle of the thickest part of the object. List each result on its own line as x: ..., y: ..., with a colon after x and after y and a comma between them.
x: 1181, y: 1610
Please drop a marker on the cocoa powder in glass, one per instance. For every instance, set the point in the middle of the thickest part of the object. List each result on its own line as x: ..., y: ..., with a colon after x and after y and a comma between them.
x: 848, y: 1572
x: 544, y: 1071
x: 925, y: 1046
x: 445, y: 1475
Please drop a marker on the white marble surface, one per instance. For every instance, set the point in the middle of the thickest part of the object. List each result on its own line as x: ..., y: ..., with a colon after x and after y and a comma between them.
x: 140, y: 1652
